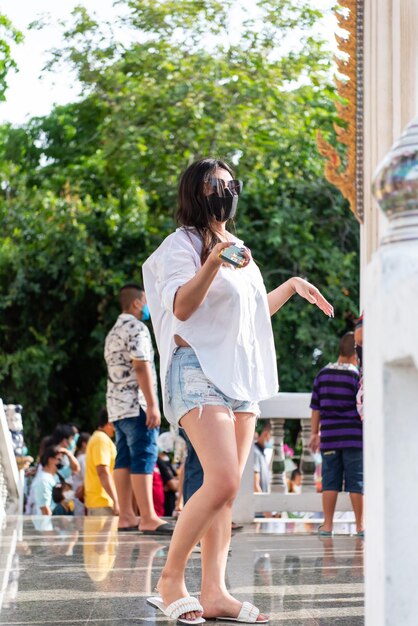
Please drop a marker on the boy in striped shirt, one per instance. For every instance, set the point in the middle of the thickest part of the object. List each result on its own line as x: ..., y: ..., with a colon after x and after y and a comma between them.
x: 337, y: 431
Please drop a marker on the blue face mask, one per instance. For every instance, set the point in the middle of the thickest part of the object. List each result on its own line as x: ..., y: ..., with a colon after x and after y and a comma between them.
x: 145, y: 314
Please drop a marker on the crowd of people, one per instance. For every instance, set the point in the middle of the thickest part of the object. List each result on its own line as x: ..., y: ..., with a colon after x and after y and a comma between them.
x: 76, y: 475
x: 211, y: 316
x: 75, y: 472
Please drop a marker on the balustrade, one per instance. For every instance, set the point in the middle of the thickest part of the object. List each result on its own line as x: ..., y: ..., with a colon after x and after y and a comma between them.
x: 11, y: 477
x: 281, y: 407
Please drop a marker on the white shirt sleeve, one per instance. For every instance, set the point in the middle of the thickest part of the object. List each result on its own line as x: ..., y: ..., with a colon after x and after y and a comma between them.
x: 179, y: 265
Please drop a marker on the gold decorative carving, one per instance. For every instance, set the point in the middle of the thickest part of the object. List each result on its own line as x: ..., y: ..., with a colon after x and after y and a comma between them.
x: 347, y: 89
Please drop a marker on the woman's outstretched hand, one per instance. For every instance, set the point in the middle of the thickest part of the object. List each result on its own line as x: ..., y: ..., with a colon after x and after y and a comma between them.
x: 312, y: 294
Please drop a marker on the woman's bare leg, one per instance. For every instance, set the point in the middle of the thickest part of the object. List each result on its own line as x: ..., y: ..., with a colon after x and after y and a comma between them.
x: 215, y: 598
x: 213, y: 430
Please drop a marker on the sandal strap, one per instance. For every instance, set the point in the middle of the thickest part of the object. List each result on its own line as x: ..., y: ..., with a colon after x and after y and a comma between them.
x: 248, y: 613
x: 183, y: 605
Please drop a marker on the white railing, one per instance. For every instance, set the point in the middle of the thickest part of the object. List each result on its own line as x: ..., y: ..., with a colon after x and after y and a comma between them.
x: 277, y: 409
x: 11, y: 531
x: 11, y: 478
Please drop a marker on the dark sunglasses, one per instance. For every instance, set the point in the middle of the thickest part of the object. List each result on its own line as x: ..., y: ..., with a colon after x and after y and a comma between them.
x: 218, y: 186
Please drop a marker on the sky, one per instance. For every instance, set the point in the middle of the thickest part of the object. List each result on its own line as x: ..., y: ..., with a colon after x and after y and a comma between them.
x: 29, y: 95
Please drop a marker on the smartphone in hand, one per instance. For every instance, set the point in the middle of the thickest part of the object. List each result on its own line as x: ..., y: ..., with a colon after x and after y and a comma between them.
x: 233, y: 255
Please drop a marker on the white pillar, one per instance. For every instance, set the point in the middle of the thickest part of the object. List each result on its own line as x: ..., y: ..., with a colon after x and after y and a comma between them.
x: 391, y: 396
x: 390, y: 98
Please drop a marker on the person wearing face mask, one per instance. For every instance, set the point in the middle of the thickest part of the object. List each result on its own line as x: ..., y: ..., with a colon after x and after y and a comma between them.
x: 63, y: 437
x: 295, y: 482
x: 133, y: 409
x: 63, y: 496
x: 261, y: 469
x: 212, y: 323
x: 45, y: 481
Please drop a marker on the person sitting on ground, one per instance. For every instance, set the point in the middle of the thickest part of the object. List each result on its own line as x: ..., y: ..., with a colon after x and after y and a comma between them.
x: 294, y: 484
x: 100, y: 494
x: 63, y: 436
x: 45, y: 481
x: 158, y: 491
x: 78, y: 478
x: 170, y: 482
x: 337, y: 431
x: 63, y: 496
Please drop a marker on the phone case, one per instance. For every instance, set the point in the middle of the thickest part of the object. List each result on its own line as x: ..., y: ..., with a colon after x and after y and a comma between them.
x: 233, y: 255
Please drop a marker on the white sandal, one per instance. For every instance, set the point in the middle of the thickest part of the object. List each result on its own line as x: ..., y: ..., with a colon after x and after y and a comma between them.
x: 177, y: 608
x: 247, y: 615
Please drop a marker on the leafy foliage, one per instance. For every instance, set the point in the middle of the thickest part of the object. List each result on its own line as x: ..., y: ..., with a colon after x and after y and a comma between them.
x: 8, y: 35
x: 89, y: 190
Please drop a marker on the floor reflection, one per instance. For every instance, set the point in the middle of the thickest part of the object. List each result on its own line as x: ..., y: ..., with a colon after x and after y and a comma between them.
x: 98, y: 575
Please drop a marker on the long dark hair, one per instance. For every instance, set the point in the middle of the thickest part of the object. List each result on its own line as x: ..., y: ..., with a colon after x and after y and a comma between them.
x: 193, y: 210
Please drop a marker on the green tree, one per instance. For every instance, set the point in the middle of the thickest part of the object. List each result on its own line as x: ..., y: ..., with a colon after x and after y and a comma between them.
x: 89, y: 190
x: 8, y: 35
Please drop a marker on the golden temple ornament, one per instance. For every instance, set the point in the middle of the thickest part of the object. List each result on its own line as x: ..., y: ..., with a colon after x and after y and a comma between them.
x: 350, y: 109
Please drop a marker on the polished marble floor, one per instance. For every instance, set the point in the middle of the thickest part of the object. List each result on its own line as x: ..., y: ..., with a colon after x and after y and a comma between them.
x: 62, y: 571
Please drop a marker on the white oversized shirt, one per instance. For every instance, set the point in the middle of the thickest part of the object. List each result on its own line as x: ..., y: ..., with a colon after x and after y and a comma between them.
x: 231, y: 330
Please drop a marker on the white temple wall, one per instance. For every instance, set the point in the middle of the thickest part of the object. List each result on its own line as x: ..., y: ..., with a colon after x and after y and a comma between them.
x: 390, y: 99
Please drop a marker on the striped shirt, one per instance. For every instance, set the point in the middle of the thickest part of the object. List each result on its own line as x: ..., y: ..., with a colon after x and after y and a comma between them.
x: 334, y: 396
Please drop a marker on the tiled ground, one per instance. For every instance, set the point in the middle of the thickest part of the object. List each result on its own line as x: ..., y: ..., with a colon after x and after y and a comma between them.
x: 81, y: 571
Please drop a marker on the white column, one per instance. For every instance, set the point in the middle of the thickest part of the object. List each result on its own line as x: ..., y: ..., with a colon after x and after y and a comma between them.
x: 391, y: 397
x: 390, y: 98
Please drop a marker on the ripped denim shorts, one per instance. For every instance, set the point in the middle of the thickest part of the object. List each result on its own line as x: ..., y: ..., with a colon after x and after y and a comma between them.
x: 188, y: 388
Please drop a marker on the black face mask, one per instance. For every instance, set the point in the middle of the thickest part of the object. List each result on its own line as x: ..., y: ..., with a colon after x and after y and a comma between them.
x: 359, y: 352
x: 223, y: 208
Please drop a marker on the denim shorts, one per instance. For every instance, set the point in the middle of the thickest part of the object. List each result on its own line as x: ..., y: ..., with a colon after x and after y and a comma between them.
x: 188, y: 388
x: 136, y: 445
x: 345, y: 465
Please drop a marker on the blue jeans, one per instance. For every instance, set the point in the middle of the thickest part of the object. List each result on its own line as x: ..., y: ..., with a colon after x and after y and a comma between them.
x: 188, y: 388
x: 136, y: 445
x: 193, y: 471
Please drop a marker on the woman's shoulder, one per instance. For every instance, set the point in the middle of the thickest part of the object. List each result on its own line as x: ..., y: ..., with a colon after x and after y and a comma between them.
x: 183, y: 236
x: 182, y: 239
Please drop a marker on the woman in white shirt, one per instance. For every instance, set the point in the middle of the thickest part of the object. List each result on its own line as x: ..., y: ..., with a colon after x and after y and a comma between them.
x: 217, y: 361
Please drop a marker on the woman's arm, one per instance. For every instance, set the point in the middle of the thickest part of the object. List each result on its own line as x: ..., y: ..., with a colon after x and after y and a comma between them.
x: 190, y: 296
x: 279, y: 296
